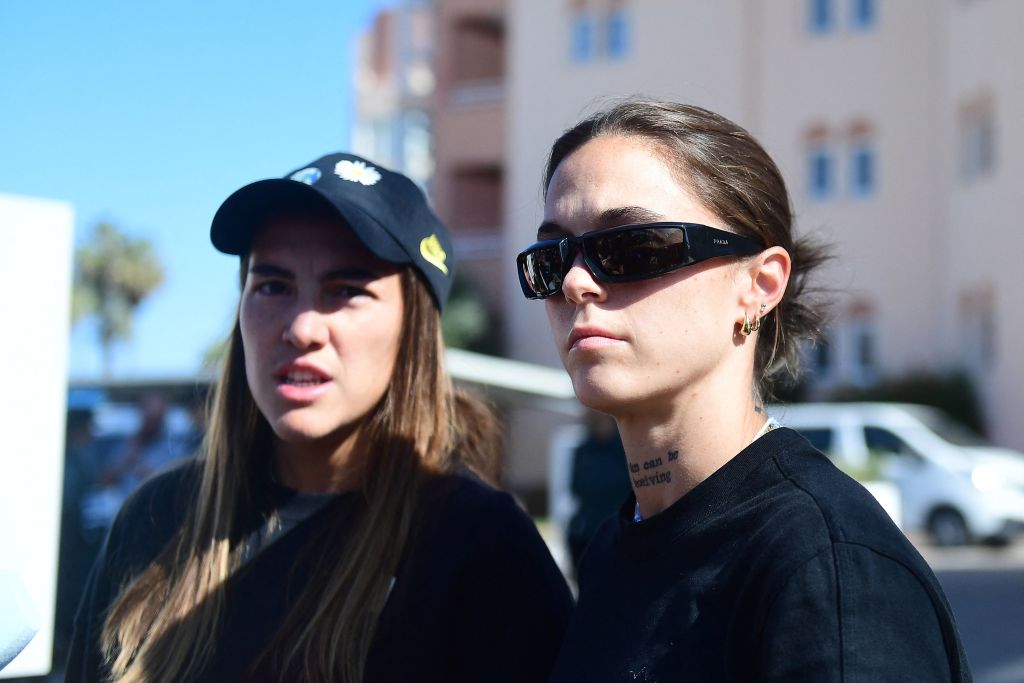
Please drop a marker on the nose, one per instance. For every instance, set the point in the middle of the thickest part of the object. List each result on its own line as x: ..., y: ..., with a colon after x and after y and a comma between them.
x: 307, y: 329
x: 579, y: 284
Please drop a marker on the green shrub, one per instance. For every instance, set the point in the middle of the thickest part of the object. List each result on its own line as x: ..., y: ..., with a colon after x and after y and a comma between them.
x: 951, y: 392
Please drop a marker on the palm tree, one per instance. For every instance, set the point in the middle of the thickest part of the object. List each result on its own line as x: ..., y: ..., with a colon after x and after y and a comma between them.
x: 113, y: 275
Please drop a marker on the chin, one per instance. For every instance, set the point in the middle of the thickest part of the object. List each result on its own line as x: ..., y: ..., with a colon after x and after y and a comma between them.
x: 599, y: 393
x: 294, y: 431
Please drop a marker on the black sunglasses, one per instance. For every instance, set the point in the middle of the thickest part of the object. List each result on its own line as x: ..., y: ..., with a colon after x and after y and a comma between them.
x: 626, y: 253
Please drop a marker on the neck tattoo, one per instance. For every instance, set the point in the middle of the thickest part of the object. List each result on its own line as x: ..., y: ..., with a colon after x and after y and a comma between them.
x: 768, y: 426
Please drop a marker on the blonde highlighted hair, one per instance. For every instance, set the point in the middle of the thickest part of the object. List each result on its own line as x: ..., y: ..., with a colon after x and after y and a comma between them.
x: 162, y: 627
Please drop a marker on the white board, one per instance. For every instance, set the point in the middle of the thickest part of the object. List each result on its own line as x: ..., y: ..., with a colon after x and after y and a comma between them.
x: 35, y: 294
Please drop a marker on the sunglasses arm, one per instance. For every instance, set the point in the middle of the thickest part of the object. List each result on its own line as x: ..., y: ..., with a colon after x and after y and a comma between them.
x: 714, y: 242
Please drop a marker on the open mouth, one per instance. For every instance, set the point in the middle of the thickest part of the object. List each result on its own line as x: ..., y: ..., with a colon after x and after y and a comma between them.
x: 301, y: 378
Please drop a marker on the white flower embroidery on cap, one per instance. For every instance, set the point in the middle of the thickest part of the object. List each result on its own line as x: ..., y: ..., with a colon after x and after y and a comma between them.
x: 357, y: 172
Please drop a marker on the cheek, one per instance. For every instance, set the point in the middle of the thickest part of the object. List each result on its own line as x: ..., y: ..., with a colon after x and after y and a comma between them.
x: 257, y: 330
x: 560, y: 319
x: 378, y: 344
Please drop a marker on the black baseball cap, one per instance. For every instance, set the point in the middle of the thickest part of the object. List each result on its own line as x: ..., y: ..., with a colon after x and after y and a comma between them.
x: 387, y: 212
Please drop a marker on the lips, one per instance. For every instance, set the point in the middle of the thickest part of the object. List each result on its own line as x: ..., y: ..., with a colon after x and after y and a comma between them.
x: 301, y: 378
x: 301, y: 381
x: 590, y: 336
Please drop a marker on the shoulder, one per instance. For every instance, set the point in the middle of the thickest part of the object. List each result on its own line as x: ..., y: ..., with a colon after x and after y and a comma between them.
x: 484, y: 537
x: 150, y: 516
x: 840, y: 508
x: 163, y: 495
x: 849, y: 607
x: 483, y: 529
x: 837, y: 551
x: 471, y: 506
x: 806, y: 511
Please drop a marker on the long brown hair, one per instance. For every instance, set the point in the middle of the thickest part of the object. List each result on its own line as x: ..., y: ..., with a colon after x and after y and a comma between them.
x: 327, y: 636
x: 733, y: 175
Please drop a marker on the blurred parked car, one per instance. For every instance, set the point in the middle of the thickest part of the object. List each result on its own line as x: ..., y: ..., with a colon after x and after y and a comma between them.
x: 951, y: 483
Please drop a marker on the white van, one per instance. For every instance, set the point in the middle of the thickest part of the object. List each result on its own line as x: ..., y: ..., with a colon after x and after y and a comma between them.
x: 951, y: 483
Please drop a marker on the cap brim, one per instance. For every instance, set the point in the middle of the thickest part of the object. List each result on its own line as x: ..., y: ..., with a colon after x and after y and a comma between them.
x: 245, y: 213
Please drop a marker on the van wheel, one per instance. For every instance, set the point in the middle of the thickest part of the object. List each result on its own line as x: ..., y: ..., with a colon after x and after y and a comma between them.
x: 947, y: 527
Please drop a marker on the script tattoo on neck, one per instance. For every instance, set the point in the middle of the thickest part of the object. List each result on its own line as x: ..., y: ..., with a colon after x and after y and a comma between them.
x: 649, y: 472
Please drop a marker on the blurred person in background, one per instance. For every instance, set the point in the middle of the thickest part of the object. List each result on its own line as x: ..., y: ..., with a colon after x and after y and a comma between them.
x: 150, y: 449
x: 675, y: 290
x: 337, y: 526
x: 78, y: 548
x: 599, y: 480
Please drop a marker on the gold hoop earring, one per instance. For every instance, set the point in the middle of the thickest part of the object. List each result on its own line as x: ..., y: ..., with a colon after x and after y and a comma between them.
x: 757, y: 319
x: 747, y: 328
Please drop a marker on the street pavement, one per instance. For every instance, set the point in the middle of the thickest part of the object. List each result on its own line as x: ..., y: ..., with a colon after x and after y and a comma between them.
x: 985, y: 587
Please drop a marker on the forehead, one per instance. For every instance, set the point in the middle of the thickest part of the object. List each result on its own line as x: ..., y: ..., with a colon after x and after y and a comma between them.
x: 309, y: 238
x: 611, y: 172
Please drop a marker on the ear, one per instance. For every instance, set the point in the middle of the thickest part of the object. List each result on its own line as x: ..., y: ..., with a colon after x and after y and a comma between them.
x: 764, y: 280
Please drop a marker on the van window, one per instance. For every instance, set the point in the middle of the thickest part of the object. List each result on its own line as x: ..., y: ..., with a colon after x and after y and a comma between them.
x: 883, y: 442
x: 819, y: 438
x: 949, y: 429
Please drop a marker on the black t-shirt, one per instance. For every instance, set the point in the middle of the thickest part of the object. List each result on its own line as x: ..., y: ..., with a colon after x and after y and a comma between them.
x: 476, y: 597
x: 778, y: 567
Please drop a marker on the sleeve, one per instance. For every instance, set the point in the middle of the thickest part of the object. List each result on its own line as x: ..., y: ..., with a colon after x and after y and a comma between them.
x: 851, y: 614
x: 141, y: 529
x: 515, y: 602
x: 85, y: 658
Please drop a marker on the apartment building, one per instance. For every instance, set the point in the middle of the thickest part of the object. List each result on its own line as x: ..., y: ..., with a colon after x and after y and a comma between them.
x: 469, y: 139
x: 394, y: 85
x: 892, y: 122
x: 430, y: 92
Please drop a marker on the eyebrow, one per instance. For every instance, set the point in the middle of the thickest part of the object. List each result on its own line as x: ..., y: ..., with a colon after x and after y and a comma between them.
x: 350, y: 273
x: 609, y: 218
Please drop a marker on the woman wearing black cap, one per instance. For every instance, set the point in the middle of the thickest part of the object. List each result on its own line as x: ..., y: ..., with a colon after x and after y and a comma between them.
x: 674, y: 287
x: 334, y: 530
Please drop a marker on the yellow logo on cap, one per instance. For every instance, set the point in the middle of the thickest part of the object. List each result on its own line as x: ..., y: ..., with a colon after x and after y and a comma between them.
x: 433, y: 253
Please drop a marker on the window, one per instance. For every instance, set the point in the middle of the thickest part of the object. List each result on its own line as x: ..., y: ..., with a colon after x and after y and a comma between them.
x: 862, y: 169
x: 618, y: 33
x: 862, y: 333
x: 863, y: 14
x: 478, y: 49
x: 476, y: 198
x: 819, y: 15
x: 820, y: 172
x: 821, y: 358
x: 883, y: 442
x: 977, y: 139
x: 582, y: 37
x: 865, y: 348
x: 860, y: 342
x: 977, y: 328
x: 417, y: 161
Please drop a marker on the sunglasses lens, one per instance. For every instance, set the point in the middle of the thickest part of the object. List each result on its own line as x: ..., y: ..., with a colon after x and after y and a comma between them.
x: 639, y: 252
x: 540, y: 271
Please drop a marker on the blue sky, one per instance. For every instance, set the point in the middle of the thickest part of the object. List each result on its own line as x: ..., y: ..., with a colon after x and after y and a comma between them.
x: 149, y: 115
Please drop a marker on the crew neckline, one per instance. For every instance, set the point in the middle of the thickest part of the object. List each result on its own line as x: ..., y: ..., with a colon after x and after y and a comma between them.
x: 703, y: 503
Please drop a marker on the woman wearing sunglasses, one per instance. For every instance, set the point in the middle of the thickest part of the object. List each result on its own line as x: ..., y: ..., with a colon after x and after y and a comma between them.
x: 675, y: 290
x: 334, y: 529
